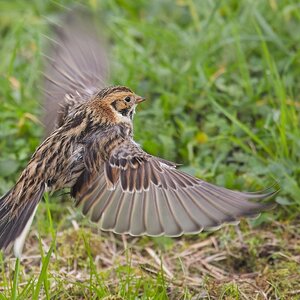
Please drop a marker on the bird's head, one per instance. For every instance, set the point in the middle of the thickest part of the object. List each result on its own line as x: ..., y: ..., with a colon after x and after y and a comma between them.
x: 117, y: 103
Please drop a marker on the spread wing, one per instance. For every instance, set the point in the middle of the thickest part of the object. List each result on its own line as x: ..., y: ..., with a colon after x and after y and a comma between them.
x: 76, y: 67
x: 136, y: 193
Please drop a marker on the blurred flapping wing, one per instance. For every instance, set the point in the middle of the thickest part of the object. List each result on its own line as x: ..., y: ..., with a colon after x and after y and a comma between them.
x: 135, y: 193
x: 76, y: 66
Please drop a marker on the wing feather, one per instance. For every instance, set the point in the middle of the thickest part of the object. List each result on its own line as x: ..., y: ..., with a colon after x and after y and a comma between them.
x: 101, y: 205
x: 146, y: 181
x: 111, y: 211
x: 182, y: 214
x: 133, y: 192
x: 170, y: 224
x: 196, y: 209
x: 137, y: 224
x: 76, y: 64
x: 152, y: 222
x: 99, y: 189
x: 124, y: 216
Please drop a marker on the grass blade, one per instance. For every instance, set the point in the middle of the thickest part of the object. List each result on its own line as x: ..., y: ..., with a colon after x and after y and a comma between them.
x: 16, y: 279
x: 234, y: 120
x: 43, y: 273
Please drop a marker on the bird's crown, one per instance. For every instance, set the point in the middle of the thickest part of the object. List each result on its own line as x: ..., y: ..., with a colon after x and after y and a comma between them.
x: 115, y: 90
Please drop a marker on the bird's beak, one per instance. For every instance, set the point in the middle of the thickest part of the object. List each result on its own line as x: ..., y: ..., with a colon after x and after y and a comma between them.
x: 139, y: 99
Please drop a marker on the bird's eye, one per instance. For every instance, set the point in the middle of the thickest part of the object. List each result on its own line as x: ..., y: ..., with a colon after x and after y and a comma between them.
x: 127, y: 99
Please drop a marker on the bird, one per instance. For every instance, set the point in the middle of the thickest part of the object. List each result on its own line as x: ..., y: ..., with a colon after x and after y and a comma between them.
x: 92, y: 152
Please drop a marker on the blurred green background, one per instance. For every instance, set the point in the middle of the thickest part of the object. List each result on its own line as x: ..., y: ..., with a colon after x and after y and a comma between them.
x: 222, y: 79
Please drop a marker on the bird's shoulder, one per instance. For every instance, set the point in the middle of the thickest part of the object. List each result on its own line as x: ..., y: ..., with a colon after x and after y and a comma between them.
x: 129, y: 154
x: 70, y: 108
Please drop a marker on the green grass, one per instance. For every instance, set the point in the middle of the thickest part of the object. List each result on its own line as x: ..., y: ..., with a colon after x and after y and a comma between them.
x: 222, y: 83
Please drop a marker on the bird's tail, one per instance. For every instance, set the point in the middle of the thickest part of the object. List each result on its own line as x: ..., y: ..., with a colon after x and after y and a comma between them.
x: 17, y: 209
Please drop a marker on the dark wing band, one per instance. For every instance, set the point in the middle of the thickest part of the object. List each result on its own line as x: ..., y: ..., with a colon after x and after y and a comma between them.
x: 139, y: 194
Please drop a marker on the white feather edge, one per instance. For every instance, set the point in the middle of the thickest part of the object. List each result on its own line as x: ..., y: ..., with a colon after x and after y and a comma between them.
x: 19, y: 242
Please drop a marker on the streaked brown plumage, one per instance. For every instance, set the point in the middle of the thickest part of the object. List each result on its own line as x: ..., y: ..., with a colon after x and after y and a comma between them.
x: 92, y: 151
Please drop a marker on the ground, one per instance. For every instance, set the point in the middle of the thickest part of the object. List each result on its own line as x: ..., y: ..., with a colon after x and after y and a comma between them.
x: 222, y: 83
